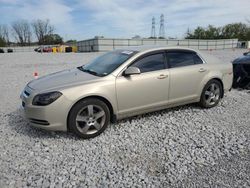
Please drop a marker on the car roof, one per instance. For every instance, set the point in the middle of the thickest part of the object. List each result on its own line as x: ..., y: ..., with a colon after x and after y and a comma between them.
x: 145, y: 48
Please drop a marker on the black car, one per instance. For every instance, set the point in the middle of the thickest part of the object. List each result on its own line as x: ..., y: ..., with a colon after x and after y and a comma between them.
x: 10, y: 50
x: 241, y: 68
x: 39, y: 49
x: 1, y: 50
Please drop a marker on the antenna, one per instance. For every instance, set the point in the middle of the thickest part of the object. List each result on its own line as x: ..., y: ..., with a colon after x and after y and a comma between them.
x: 153, y: 28
x: 162, y: 27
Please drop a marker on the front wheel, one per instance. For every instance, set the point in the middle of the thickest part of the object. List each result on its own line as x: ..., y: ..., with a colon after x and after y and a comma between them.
x: 89, y: 118
x: 211, y: 94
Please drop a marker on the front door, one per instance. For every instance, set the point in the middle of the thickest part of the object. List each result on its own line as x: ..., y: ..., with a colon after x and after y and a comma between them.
x: 137, y: 93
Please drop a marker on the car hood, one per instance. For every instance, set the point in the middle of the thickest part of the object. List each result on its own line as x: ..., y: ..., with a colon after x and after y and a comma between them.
x: 62, y: 79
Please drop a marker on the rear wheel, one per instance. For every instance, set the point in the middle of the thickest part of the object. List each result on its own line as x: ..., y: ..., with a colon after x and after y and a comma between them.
x: 211, y: 94
x: 89, y: 118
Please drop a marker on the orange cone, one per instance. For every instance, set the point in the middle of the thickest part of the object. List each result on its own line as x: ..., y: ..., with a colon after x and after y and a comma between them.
x: 35, y: 75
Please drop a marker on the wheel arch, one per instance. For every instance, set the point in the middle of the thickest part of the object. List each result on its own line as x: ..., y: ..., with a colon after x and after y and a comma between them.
x: 101, y: 98
x: 219, y: 80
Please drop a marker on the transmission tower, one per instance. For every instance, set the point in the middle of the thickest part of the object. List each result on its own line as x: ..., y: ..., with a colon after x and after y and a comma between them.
x: 153, y: 28
x: 162, y: 27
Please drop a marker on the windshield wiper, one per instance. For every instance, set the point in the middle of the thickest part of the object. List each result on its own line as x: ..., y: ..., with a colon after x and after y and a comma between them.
x: 88, y: 71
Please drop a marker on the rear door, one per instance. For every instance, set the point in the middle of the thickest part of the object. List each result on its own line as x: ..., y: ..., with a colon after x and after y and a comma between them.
x: 187, y: 70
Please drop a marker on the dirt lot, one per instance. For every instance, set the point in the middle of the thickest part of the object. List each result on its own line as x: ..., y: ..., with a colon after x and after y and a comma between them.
x: 179, y: 147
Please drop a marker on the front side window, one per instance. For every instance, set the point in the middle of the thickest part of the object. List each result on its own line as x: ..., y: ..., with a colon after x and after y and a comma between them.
x: 149, y: 63
x: 181, y: 59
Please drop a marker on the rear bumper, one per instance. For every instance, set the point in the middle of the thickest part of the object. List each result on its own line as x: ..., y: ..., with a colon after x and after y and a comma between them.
x: 227, y: 82
x: 227, y: 90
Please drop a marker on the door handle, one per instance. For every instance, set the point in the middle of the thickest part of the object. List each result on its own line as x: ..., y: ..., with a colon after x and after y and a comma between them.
x: 162, y: 76
x: 202, y: 70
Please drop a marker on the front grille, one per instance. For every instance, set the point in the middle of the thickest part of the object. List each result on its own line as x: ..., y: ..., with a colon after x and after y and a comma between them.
x: 38, y: 121
x: 23, y: 104
x: 27, y: 93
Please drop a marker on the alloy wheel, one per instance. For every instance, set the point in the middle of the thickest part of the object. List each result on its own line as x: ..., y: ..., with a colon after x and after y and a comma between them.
x: 212, y: 94
x: 90, y: 119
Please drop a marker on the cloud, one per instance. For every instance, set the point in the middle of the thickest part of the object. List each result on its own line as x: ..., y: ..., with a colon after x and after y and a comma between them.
x: 56, y: 11
x: 129, y: 18
x: 118, y: 18
x: 125, y: 18
x: 10, y: 1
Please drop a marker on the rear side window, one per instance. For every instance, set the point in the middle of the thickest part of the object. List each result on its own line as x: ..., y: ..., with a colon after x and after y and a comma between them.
x: 181, y: 59
x: 151, y: 63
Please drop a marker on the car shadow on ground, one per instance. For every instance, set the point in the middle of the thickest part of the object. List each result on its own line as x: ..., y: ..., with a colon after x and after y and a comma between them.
x: 21, y: 126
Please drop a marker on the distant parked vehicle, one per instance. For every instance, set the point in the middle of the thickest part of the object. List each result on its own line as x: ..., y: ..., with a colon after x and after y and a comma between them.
x: 43, y: 49
x: 10, y: 50
x: 1, y: 50
x: 36, y: 49
x: 39, y: 49
x: 68, y: 49
x: 124, y: 83
x: 241, y: 68
x: 47, y: 49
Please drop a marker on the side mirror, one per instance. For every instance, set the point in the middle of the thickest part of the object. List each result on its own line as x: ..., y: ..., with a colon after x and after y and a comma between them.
x: 132, y: 70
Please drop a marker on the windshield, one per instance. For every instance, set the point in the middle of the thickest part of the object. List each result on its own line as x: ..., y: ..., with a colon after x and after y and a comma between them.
x: 107, y: 63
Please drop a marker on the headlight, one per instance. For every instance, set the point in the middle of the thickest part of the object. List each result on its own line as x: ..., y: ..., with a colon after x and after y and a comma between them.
x: 46, y: 98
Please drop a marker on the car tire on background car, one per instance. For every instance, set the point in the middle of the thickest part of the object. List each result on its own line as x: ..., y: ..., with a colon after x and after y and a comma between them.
x: 88, y: 118
x: 211, y: 94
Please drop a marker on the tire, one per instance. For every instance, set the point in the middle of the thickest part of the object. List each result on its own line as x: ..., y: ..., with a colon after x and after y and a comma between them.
x: 89, y: 118
x: 211, y: 94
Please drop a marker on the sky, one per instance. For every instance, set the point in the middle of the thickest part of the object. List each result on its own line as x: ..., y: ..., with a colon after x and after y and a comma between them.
x: 83, y: 19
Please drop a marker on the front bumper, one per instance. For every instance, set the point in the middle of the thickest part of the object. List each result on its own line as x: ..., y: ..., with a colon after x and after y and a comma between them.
x: 51, y: 117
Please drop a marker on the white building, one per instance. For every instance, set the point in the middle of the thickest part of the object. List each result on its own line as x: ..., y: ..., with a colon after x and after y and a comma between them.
x: 108, y: 44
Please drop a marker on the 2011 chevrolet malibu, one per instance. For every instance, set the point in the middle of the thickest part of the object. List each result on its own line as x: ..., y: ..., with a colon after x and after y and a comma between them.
x: 124, y: 83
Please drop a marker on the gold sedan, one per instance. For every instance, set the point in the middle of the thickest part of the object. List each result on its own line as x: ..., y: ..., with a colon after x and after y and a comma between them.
x: 124, y: 83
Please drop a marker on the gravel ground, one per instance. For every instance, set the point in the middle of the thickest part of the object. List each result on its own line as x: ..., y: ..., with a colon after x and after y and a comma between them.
x: 179, y: 147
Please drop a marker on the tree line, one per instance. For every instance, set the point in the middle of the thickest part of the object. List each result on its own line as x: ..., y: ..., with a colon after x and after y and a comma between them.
x: 23, y: 31
x: 240, y: 31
